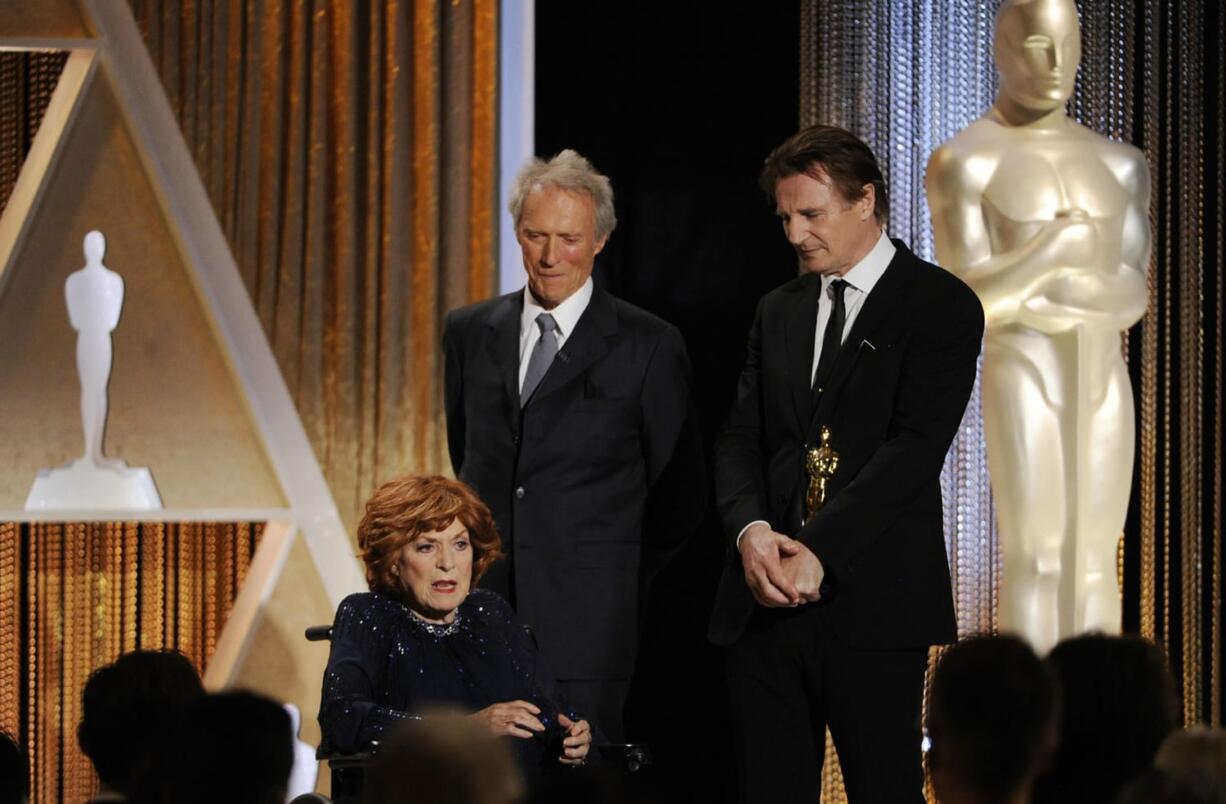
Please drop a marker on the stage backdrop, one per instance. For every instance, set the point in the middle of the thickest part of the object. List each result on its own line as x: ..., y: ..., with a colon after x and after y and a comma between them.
x: 349, y: 153
x: 908, y: 75
x: 349, y: 150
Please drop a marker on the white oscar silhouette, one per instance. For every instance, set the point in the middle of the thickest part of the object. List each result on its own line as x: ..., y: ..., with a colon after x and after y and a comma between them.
x: 95, y: 298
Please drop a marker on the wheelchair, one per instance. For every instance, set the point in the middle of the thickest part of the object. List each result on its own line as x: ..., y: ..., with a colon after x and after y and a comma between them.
x: 349, y: 770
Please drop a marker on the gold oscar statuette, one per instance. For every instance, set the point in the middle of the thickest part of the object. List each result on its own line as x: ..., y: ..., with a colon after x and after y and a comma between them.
x: 820, y: 462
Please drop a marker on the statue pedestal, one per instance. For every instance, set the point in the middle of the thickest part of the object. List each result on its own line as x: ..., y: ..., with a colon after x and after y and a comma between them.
x: 83, y: 484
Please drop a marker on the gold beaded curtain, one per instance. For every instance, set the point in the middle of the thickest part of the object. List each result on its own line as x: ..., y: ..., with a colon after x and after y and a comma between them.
x: 75, y: 596
x: 27, y: 80
x: 1173, y: 540
x: 907, y: 76
x: 349, y: 151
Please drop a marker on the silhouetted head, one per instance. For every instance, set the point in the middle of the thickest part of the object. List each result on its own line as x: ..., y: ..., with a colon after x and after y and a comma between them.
x: 14, y: 772
x: 130, y: 706
x: 992, y: 719
x: 447, y: 758
x: 1159, y: 786
x: 1120, y: 703
x: 235, y: 747
x: 1197, y: 754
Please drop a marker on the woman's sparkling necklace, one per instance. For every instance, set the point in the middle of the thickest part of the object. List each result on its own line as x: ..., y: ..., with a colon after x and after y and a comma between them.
x: 436, y: 629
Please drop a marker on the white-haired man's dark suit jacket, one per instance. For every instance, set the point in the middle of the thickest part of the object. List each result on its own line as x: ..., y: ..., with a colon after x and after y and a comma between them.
x: 590, y: 482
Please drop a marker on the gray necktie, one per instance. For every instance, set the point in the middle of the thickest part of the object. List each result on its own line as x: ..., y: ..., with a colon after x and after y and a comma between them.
x: 543, y: 353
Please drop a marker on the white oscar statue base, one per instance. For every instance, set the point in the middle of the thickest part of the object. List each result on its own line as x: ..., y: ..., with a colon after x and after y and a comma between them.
x: 83, y: 485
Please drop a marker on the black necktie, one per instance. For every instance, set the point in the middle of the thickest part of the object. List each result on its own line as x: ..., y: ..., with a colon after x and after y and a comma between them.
x: 832, y: 339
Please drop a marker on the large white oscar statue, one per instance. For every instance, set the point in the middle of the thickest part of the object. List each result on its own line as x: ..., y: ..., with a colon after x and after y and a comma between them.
x: 1047, y: 221
x: 94, y: 482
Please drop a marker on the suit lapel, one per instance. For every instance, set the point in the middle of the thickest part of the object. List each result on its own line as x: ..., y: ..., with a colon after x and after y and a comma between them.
x: 583, y: 347
x: 801, y: 327
x: 878, y: 308
x: 502, y: 343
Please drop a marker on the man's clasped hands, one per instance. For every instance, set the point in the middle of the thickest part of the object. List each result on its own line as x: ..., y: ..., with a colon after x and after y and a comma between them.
x: 780, y: 571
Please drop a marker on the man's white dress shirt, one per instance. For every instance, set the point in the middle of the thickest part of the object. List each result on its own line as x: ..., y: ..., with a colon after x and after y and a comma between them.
x: 566, y: 315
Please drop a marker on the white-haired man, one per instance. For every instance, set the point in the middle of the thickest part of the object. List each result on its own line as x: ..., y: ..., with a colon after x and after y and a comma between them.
x: 565, y: 406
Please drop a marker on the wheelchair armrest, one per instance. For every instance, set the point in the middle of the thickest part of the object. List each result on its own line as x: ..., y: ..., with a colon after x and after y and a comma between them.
x: 362, y: 759
x: 357, y: 759
x: 349, y: 774
x: 319, y: 633
x: 625, y: 757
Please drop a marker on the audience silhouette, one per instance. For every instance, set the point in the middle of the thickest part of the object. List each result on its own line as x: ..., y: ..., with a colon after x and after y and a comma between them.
x: 231, y: 747
x: 446, y: 758
x: 129, y: 707
x: 14, y: 772
x: 992, y: 720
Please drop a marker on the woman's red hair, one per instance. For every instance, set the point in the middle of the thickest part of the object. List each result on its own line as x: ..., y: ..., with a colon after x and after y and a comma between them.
x: 405, y: 508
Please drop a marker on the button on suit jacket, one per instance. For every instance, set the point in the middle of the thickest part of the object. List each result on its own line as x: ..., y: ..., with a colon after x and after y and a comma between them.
x: 574, y: 479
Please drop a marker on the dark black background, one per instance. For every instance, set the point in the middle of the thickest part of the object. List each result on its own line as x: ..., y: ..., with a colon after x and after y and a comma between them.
x: 678, y: 102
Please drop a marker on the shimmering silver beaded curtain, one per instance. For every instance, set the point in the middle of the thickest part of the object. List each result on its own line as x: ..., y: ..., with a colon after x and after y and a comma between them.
x: 906, y: 76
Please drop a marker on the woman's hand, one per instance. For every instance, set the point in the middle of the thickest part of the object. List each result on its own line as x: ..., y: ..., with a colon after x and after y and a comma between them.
x: 578, y: 741
x: 510, y: 719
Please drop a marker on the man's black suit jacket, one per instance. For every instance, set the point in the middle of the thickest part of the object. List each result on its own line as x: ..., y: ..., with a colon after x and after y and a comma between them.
x: 571, y: 477
x: 893, y: 403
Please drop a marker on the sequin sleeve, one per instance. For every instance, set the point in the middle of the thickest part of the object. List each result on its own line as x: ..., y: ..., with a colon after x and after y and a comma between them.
x: 349, y: 715
x: 535, y: 672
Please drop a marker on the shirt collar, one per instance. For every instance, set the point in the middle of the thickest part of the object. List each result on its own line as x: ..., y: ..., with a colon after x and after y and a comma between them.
x: 864, y: 275
x: 566, y: 315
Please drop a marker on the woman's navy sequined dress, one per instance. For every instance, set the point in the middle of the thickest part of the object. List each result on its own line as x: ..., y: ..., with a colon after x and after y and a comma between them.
x: 386, y: 665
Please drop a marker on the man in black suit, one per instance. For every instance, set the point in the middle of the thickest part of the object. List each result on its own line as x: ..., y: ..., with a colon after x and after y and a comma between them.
x: 828, y: 614
x: 567, y: 412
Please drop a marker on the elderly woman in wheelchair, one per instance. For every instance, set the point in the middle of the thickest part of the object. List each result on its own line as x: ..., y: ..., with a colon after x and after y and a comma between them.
x: 423, y: 638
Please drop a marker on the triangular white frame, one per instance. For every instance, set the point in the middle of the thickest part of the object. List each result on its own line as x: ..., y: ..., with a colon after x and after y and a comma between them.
x: 119, y: 52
